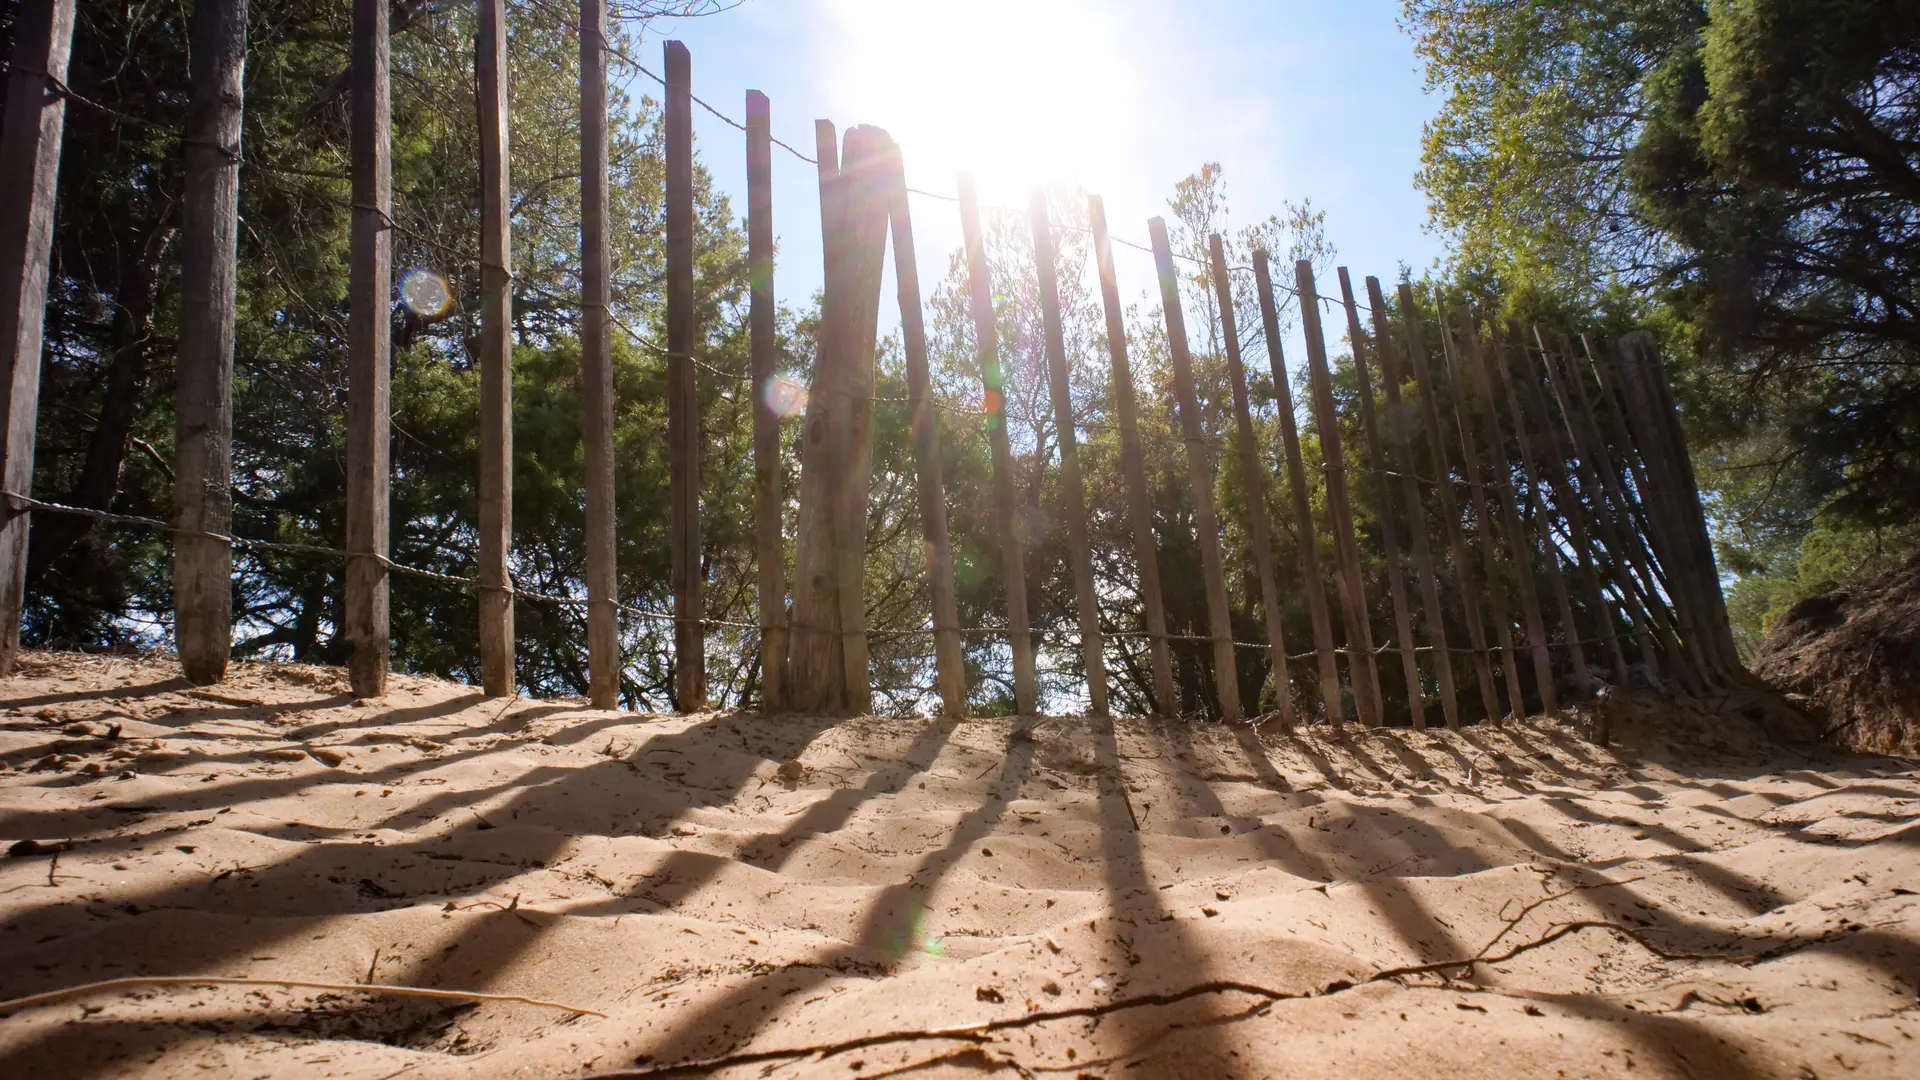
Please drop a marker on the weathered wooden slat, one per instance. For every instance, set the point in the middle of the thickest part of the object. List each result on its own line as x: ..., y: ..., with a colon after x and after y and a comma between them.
x: 1206, y: 520
x: 1499, y: 475
x: 1438, y: 447
x: 770, y: 555
x: 986, y: 343
x: 683, y: 402
x: 1383, y: 502
x: 1132, y: 464
x: 949, y: 658
x: 1398, y: 432
x: 1620, y: 434
x: 1573, y: 511
x: 1540, y: 528
x: 596, y: 365
x: 496, y: 356
x: 1660, y: 548
x: 1309, y: 543
x: 1663, y: 449
x: 1346, y: 540
x: 1080, y: 553
x: 1254, y: 475
x: 369, y: 333
x: 1488, y: 527
x: 203, y: 396
x: 1613, y: 437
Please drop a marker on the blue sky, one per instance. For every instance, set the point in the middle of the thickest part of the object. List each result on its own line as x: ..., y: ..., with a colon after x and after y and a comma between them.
x: 1294, y: 100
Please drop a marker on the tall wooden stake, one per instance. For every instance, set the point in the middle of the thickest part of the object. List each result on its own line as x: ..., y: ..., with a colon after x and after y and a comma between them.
x: 30, y: 133
x: 1400, y: 434
x: 1309, y: 544
x: 1383, y: 499
x: 949, y: 659
x: 683, y: 403
x: 1488, y: 528
x: 769, y: 551
x: 1255, y: 477
x: 864, y: 175
x: 596, y: 364
x: 986, y: 339
x: 1092, y: 650
x: 814, y: 668
x: 370, y: 325
x: 827, y: 657
x: 1199, y: 476
x: 496, y: 357
x: 1353, y: 595
x: 1449, y: 510
x: 1132, y: 463
x: 203, y: 399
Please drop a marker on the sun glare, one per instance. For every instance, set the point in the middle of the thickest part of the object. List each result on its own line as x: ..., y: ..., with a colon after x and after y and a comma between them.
x: 1017, y: 91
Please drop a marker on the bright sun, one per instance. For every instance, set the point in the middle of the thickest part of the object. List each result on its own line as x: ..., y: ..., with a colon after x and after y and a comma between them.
x: 1017, y: 91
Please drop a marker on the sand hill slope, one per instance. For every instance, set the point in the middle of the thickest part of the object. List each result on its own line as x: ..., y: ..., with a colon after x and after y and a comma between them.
x: 786, y: 897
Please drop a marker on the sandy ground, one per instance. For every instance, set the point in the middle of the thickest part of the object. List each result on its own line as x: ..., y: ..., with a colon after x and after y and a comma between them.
x: 783, y: 897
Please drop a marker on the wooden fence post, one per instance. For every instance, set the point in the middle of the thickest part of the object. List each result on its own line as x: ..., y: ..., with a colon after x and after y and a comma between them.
x: 596, y: 365
x: 814, y: 668
x: 1309, y: 543
x: 496, y: 357
x: 1400, y: 434
x: 1449, y: 508
x: 683, y: 402
x: 1500, y: 370
x: 1254, y: 476
x: 1080, y: 553
x: 1500, y: 479
x: 1200, y: 475
x: 1488, y: 528
x: 30, y: 134
x: 827, y: 659
x: 1139, y: 508
x: 1383, y: 499
x: 769, y: 551
x: 1353, y: 596
x: 203, y: 398
x: 370, y: 325
x: 863, y: 175
x: 949, y: 658
x: 986, y: 343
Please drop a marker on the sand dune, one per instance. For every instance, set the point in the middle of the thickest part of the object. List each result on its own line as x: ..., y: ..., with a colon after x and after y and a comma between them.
x: 745, y: 896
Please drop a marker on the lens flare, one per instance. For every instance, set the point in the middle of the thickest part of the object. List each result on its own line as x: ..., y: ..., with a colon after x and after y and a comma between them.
x: 786, y: 397
x: 426, y: 294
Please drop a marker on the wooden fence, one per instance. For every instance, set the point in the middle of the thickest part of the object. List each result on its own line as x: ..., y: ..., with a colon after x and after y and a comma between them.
x: 1599, y: 501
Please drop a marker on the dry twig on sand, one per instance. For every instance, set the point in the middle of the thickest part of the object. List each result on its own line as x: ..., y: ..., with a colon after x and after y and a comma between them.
x: 9, y: 1007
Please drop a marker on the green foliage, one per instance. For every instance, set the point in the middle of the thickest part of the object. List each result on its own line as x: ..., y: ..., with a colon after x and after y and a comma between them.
x: 1738, y: 175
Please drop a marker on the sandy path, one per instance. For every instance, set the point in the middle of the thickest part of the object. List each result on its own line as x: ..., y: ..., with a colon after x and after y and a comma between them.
x: 1076, y: 901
